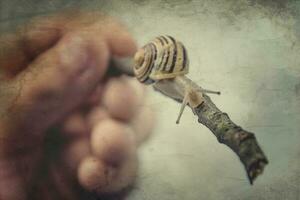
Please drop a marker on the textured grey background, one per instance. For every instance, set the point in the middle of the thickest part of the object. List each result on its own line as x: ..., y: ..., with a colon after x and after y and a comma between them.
x: 249, y: 50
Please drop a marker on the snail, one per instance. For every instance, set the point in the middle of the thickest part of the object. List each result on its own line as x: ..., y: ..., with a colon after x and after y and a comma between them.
x: 164, y: 62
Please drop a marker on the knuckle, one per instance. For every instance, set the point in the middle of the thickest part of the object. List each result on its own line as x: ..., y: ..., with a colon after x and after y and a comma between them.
x: 71, y: 55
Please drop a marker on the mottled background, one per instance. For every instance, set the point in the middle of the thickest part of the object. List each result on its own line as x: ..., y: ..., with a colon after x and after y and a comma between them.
x: 249, y: 50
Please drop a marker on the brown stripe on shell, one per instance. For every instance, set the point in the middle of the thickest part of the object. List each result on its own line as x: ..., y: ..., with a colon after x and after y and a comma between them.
x: 168, y: 57
x: 149, y: 65
x: 150, y: 68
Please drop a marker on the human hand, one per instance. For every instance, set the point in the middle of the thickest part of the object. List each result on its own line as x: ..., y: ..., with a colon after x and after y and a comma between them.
x: 64, y: 126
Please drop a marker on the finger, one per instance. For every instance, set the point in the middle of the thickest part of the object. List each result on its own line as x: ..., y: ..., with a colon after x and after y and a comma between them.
x: 119, y: 39
x: 11, y: 183
x: 95, y: 175
x: 17, y: 50
x: 20, y: 48
x: 12, y: 189
x: 96, y: 115
x: 96, y: 97
x: 75, y: 125
x: 143, y: 124
x: 123, y: 98
x: 15, y: 173
x: 61, y: 78
x: 74, y: 152
x: 63, y: 184
x: 115, y: 33
x: 113, y: 142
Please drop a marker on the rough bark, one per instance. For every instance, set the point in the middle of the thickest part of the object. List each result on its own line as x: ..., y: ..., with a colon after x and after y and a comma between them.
x: 242, y: 142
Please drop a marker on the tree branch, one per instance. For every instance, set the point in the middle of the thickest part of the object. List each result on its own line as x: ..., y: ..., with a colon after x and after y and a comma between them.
x: 242, y: 142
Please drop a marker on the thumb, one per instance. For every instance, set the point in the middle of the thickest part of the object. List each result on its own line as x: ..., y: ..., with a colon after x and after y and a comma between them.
x: 57, y: 81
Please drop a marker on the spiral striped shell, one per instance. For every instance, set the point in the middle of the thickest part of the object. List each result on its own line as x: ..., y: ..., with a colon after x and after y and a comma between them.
x: 162, y: 58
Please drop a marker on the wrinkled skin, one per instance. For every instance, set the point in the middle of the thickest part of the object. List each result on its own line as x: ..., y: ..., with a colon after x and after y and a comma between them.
x: 67, y: 130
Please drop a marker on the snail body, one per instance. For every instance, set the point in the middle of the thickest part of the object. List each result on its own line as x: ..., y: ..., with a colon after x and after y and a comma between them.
x: 164, y: 62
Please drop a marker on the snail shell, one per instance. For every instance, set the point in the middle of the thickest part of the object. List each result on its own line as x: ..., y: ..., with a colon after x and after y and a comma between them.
x: 162, y: 58
x: 164, y: 61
